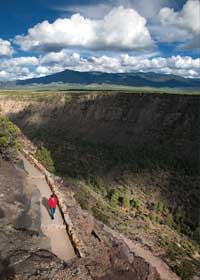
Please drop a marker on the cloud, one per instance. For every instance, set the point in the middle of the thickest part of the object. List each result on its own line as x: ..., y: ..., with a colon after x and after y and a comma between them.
x: 19, y: 61
x: 5, y: 48
x: 28, y: 67
x: 193, y: 44
x: 170, y: 34
x: 53, y: 57
x: 4, y: 76
x: 146, y: 8
x: 180, y: 65
x: 182, y: 26
x: 160, y: 62
x: 188, y: 18
x: 97, y: 11
x: 17, y: 68
x: 121, y: 29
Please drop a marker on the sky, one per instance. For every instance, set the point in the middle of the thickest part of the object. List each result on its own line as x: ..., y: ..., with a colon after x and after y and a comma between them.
x: 41, y: 37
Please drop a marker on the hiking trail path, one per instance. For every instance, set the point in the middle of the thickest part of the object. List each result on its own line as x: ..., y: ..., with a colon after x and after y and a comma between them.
x: 55, y: 230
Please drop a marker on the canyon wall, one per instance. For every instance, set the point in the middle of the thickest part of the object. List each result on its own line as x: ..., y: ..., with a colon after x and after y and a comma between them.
x: 146, y: 143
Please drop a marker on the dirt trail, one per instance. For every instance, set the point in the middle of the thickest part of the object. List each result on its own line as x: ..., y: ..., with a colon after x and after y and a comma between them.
x: 162, y: 268
x: 55, y: 230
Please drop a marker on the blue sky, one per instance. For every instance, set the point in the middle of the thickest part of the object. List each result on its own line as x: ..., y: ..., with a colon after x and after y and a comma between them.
x: 40, y: 37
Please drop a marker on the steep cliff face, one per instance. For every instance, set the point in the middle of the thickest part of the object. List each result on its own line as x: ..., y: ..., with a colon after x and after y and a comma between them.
x: 167, y: 124
x: 135, y: 157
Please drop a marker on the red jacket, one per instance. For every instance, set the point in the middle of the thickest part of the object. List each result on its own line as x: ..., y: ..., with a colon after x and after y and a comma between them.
x: 52, y: 202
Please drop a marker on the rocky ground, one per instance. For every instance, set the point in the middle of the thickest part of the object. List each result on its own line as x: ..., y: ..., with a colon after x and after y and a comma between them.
x: 20, y: 226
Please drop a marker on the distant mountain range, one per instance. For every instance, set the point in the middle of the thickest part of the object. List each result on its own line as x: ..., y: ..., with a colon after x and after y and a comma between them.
x: 138, y: 79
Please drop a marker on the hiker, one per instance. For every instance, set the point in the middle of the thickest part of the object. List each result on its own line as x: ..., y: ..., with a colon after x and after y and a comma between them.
x: 52, y: 205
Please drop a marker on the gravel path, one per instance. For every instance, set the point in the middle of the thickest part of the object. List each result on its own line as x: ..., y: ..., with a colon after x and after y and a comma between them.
x: 162, y: 268
x: 55, y: 230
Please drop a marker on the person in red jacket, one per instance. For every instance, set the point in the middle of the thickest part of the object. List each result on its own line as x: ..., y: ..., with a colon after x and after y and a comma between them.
x: 52, y: 205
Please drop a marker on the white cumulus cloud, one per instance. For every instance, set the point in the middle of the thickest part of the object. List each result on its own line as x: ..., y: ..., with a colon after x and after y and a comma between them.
x: 28, y: 67
x: 19, y: 61
x: 5, y: 48
x: 188, y: 18
x: 146, y: 8
x: 182, y: 26
x: 120, y: 29
x: 179, y: 65
x: 185, y: 66
x: 17, y: 68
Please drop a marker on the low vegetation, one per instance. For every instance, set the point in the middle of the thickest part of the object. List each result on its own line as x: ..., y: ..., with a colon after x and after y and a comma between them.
x: 9, y: 143
x: 180, y: 256
x: 44, y: 156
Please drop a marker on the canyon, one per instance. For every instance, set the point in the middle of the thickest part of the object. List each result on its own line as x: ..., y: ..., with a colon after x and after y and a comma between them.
x: 110, y: 146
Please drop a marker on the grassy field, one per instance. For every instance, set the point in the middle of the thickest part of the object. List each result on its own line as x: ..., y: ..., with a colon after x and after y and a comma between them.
x: 57, y: 91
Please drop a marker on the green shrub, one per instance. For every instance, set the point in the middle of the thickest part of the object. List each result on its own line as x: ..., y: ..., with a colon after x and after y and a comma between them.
x: 160, y: 207
x: 100, y: 215
x: 117, y: 198
x: 97, y: 185
x: 153, y: 216
x: 185, y: 270
x: 126, y: 201
x: 3, y: 141
x: 9, y: 134
x: 114, y: 198
x: 135, y: 203
x: 179, y: 215
x: 82, y: 199
x: 44, y: 156
x: 169, y: 220
x: 175, y: 251
x: 189, y: 247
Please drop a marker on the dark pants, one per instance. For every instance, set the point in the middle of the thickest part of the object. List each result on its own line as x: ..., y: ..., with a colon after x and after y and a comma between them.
x: 52, y: 212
